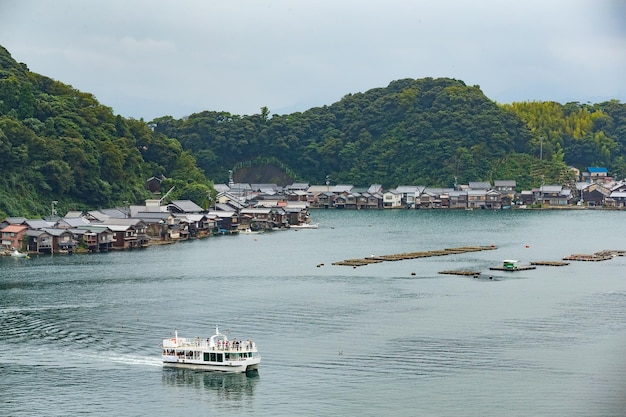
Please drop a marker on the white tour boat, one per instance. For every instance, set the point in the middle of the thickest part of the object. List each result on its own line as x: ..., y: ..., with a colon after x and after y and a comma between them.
x: 216, y: 353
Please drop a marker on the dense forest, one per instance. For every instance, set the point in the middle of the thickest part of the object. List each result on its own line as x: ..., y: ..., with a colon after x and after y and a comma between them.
x: 60, y: 144
x: 434, y: 132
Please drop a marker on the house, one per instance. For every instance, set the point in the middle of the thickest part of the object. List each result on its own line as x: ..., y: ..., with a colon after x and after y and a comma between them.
x: 226, y: 221
x: 616, y: 199
x: 197, y: 224
x: 477, y: 198
x: 62, y: 240
x: 410, y: 194
x: 13, y: 236
x: 128, y: 233
x: 434, y: 197
x: 324, y: 200
x: 38, y: 241
x: 392, y: 199
x: 553, y: 195
x: 351, y: 200
x: 373, y: 200
x: 597, y: 175
x: 507, y: 190
x: 493, y: 199
x: 255, y: 218
x: 158, y: 223
x: 457, y: 199
x: 526, y: 198
x: 594, y: 195
x: 153, y: 184
x: 96, y: 238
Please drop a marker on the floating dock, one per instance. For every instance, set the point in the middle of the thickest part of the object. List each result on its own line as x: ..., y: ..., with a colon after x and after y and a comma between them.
x: 412, y: 255
x: 466, y: 273
x: 588, y: 258
x: 549, y: 263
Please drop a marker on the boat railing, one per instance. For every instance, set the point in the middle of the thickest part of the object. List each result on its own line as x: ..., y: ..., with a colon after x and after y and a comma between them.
x: 204, y: 344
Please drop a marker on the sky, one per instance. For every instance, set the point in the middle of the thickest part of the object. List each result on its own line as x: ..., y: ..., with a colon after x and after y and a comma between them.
x: 151, y: 58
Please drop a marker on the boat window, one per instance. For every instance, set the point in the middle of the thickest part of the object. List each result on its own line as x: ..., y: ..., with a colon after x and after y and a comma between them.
x: 220, y: 357
x: 227, y: 356
x: 206, y: 356
x: 212, y: 356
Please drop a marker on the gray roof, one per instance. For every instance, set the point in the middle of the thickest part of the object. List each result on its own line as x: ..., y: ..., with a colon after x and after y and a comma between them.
x: 482, y: 185
x: 340, y: 188
x: 74, y: 221
x: 186, y: 206
x: 504, y: 183
x: 303, y: 186
x: 39, y: 224
x: 114, y: 213
x: 551, y: 188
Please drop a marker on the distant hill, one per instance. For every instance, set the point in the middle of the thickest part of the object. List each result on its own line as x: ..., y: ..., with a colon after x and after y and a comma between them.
x: 422, y: 132
x: 60, y: 144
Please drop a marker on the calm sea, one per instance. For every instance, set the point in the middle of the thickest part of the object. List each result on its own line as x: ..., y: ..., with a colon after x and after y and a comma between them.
x: 80, y: 334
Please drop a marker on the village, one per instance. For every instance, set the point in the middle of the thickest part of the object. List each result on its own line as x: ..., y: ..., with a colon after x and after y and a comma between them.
x: 254, y: 208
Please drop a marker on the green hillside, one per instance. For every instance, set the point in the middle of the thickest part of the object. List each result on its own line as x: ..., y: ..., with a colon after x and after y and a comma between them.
x: 57, y: 143
x: 60, y: 144
x: 421, y: 132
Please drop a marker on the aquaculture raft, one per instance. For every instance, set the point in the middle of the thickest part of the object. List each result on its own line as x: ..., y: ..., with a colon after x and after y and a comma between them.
x: 588, y: 258
x: 466, y: 273
x: 412, y: 255
x: 549, y: 263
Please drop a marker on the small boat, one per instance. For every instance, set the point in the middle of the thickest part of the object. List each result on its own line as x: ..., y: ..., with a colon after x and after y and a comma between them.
x: 304, y: 226
x: 18, y: 254
x: 248, y: 231
x: 216, y: 353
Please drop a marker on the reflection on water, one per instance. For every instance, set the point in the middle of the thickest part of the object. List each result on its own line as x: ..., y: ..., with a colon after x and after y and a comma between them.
x: 225, y: 386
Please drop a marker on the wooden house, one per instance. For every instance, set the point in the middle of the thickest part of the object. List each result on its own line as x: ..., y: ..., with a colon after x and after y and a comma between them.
x: 96, y: 238
x: 594, y: 195
x: 457, y: 199
x: 477, y: 198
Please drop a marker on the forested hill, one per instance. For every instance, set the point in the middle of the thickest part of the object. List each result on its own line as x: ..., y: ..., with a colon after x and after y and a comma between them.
x: 57, y: 143
x: 422, y: 132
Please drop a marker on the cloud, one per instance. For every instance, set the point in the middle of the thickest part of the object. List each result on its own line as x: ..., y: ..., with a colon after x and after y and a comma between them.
x: 151, y: 58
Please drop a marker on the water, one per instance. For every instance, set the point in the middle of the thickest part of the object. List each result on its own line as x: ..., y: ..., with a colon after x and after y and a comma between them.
x: 79, y: 335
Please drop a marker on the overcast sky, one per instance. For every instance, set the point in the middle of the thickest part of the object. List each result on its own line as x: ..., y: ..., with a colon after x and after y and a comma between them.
x: 150, y: 58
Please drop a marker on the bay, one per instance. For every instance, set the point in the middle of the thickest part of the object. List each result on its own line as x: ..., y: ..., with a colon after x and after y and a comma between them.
x: 80, y: 334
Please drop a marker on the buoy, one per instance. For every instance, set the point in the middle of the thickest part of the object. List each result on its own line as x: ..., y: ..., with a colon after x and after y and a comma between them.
x: 527, y: 246
x: 412, y: 273
x: 493, y: 246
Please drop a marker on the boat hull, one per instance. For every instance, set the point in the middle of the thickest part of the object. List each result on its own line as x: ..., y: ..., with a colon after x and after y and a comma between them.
x: 245, y: 366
